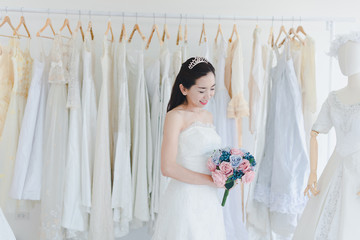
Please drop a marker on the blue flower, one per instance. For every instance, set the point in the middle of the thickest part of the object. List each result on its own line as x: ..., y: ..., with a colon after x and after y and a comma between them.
x: 235, y: 160
x: 225, y: 156
x: 237, y: 174
x: 216, y: 157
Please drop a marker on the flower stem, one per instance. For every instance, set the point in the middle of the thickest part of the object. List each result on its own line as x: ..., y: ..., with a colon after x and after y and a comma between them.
x: 226, y: 193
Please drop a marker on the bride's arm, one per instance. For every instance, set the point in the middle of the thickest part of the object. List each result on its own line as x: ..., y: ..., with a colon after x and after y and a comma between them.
x: 169, y: 166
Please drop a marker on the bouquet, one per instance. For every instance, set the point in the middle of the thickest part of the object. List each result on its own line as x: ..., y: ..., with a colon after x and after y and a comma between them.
x: 229, y: 166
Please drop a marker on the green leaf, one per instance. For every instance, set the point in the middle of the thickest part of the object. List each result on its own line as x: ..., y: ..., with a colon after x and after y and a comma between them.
x: 229, y: 185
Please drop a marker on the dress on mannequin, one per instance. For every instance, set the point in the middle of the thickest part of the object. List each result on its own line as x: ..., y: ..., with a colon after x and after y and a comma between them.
x: 333, y: 212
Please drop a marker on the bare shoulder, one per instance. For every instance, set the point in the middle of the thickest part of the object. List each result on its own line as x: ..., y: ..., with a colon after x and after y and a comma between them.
x: 174, y: 120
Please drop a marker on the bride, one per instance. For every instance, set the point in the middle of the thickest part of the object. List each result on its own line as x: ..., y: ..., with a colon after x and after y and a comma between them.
x: 190, y: 208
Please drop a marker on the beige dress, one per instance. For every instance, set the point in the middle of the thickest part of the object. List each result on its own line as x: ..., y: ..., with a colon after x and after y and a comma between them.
x: 22, y: 64
x: 6, y: 81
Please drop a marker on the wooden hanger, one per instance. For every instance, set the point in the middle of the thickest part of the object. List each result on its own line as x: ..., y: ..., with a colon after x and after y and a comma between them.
x: 179, y: 36
x: 271, y: 37
x: 79, y: 27
x: 301, y: 29
x: 219, y: 32
x: 123, y: 33
x: 154, y: 29
x: 136, y: 28
x: 234, y: 31
x: 282, y: 30
x: 67, y: 25
x: 292, y: 32
x: 47, y: 24
x: 165, y: 33
x: 90, y: 29
x: 8, y: 21
x: 109, y: 28
x: 203, y: 33
x: 22, y: 23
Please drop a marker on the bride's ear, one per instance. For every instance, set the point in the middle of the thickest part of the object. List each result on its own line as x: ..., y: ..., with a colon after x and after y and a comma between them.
x: 183, y: 89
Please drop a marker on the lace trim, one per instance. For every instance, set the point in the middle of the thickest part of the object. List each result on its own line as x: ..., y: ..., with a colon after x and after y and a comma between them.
x: 329, y: 211
x: 351, y: 107
x: 198, y: 124
x: 282, y: 203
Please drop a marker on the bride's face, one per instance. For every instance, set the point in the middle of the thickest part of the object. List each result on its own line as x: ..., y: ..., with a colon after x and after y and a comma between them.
x: 199, y: 94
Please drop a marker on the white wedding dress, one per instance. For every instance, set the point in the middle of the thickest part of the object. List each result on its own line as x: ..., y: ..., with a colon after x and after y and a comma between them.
x: 187, y: 211
x: 334, y: 214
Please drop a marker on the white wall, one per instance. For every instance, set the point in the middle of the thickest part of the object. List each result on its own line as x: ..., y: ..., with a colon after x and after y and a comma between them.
x: 28, y: 228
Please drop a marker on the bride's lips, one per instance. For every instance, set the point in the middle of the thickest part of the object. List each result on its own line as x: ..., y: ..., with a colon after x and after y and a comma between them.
x: 203, y: 103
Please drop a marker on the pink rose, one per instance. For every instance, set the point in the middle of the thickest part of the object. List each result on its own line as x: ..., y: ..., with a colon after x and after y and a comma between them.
x: 211, y: 166
x: 236, y: 151
x: 248, y: 177
x: 244, y: 166
x: 219, y: 178
x: 226, y: 169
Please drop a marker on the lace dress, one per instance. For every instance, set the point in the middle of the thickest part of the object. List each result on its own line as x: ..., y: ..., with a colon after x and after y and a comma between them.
x: 55, y: 142
x: 74, y: 219
x: 22, y: 63
x: 283, y: 169
x: 334, y: 213
x: 188, y: 211
x: 6, y: 80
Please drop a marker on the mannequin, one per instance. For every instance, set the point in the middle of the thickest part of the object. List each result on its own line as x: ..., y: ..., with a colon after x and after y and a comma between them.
x: 349, y: 62
x: 333, y: 211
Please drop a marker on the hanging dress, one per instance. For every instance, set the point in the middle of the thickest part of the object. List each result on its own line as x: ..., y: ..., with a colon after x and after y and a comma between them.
x: 283, y: 169
x: 22, y: 64
x: 89, y: 114
x: 141, y: 149
x: 256, y: 82
x: 55, y: 142
x: 6, y: 80
x: 153, y: 78
x: 26, y: 182
x: 334, y: 213
x: 159, y: 181
x: 226, y: 128
x: 258, y: 218
x: 122, y: 191
x: 74, y: 218
x: 234, y: 83
x: 101, y: 223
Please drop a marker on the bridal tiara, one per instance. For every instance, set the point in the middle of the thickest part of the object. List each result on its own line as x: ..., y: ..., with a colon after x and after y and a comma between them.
x: 196, y: 61
x: 342, y: 39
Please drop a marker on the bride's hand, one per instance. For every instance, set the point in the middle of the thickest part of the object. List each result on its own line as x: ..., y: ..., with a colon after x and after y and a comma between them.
x: 312, y: 185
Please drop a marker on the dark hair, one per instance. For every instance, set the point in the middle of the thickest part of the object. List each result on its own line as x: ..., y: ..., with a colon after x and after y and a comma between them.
x: 187, y: 77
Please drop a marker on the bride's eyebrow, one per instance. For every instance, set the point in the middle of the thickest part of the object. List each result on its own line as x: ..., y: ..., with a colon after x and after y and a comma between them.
x: 205, y: 87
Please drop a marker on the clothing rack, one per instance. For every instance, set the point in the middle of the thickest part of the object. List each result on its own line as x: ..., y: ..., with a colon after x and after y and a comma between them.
x: 234, y: 17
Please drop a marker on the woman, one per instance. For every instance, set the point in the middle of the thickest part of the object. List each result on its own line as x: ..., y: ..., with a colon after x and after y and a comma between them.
x: 190, y: 208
